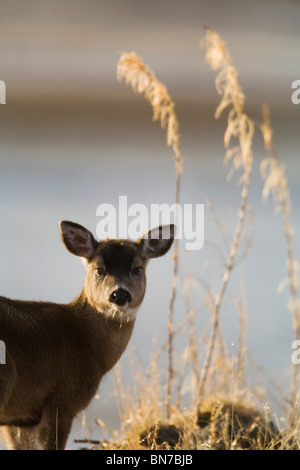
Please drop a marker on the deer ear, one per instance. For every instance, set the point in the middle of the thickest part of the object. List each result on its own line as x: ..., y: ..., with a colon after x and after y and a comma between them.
x: 157, y: 241
x: 77, y: 239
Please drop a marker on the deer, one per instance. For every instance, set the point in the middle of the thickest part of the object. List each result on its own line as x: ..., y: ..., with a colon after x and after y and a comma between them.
x: 57, y: 354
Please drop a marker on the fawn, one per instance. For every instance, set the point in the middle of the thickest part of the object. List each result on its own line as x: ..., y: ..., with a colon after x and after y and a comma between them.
x: 56, y: 354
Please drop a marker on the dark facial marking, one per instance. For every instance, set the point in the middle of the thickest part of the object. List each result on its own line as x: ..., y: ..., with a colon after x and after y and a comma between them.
x: 117, y: 257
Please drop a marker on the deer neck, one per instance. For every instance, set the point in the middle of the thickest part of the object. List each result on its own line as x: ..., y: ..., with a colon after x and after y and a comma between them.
x: 107, y: 334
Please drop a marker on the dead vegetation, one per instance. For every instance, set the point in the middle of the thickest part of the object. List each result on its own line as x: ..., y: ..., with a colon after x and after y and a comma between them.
x: 224, y: 412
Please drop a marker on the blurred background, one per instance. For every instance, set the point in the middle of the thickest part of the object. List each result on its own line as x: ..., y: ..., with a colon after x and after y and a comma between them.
x: 72, y: 137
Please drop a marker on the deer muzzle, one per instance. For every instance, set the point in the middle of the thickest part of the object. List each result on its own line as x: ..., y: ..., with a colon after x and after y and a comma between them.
x: 120, y: 297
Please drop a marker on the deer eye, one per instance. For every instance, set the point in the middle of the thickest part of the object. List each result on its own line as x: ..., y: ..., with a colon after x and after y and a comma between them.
x: 137, y: 271
x: 100, y: 271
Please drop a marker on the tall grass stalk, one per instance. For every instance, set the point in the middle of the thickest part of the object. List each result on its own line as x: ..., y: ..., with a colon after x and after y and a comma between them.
x: 143, y: 80
x: 275, y: 182
x: 241, y: 128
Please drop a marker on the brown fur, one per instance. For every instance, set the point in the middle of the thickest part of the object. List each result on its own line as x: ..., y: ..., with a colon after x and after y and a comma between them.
x: 56, y: 354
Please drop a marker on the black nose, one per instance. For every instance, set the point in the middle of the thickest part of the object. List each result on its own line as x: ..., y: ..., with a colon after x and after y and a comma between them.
x: 120, y: 297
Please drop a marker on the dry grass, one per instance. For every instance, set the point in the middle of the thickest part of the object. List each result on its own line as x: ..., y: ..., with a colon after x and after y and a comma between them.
x: 143, y: 80
x: 241, y: 128
x: 276, y: 183
x: 219, y: 424
x: 224, y: 412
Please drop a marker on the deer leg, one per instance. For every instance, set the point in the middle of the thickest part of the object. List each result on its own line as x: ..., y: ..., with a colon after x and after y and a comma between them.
x: 50, y: 434
x: 55, y: 436
x: 20, y: 438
